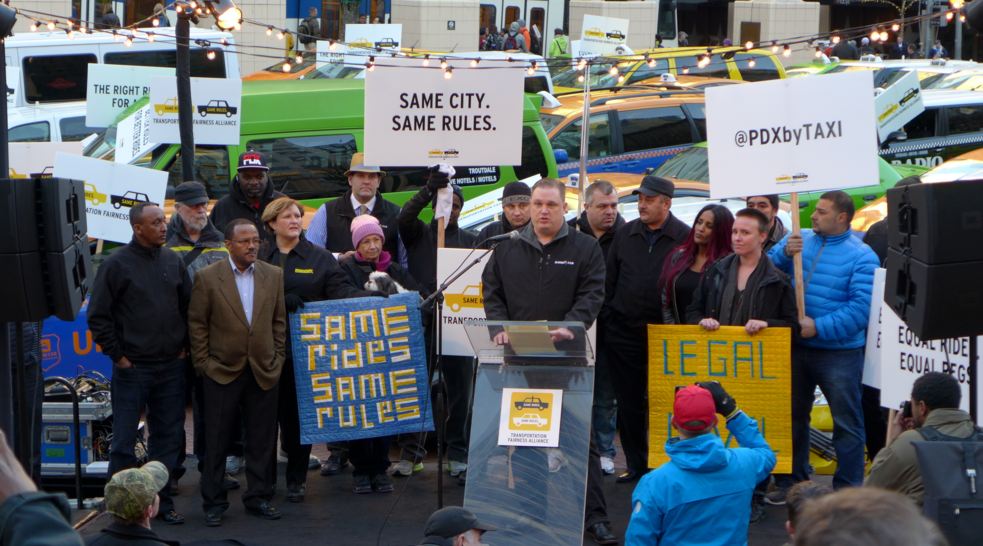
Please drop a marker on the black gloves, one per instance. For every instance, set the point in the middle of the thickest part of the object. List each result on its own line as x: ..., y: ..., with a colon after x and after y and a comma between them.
x: 725, y: 403
x: 379, y: 294
x: 293, y: 302
x: 437, y: 180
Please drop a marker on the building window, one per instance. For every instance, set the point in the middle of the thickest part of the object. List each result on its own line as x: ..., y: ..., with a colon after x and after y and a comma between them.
x: 56, y: 77
x: 511, y: 14
x: 487, y: 15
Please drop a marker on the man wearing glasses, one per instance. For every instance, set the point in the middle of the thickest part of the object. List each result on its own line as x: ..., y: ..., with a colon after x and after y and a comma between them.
x: 237, y: 322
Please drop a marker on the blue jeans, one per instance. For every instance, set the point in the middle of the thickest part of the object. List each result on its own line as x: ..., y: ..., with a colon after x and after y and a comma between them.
x: 605, y: 412
x: 158, y: 387
x: 838, y: 373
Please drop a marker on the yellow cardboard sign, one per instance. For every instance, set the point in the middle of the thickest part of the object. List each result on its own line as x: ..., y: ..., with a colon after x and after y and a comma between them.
x: 755, y: 370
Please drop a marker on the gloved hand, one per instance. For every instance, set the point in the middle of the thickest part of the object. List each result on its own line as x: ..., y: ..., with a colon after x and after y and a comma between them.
x: 437, y: 180
x: 379, y: 294
x: 293, y: 302
x: 724, y: 403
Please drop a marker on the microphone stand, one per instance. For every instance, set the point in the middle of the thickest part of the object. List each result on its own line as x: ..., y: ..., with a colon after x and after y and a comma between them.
x: 437, y: 300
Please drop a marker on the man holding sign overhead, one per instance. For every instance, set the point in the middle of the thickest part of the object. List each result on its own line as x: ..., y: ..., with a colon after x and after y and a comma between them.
x: 838, y: 281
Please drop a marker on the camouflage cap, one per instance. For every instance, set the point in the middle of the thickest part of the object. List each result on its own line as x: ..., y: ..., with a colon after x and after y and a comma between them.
x: 130, y: 492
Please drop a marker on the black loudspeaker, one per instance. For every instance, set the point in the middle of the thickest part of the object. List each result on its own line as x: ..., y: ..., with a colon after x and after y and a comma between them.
x: 22, y: 289
x: 937, y: 223
x: 935, y: 258
x: 63, y: 211
x: 70, y: 278
x: 18, y: 196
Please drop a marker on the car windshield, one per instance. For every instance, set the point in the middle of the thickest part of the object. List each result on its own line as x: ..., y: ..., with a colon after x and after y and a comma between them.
x: 309, y: 58
x: 334, y: 71
x: 550, y: 121
x: 104, y: 146
x: 689, y: 164
x: 600, y: 75
x: 961, y: 81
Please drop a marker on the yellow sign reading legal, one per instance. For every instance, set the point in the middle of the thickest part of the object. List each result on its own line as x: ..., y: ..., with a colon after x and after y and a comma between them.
x: 755, y: 370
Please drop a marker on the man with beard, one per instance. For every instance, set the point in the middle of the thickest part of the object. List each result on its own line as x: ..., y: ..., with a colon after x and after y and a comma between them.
x: 515, y: 212
x: 250, y: 192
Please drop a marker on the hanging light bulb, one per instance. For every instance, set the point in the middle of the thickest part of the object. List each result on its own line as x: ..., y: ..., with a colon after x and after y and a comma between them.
x: 115, y: 36
x: 34, y: 26
x: 84, y: 30
x: 883, y: 36
x: 686, y: 70
x: 443, y: 63
x: 269, y: 31
x: 948, y: 16
x: 51, y: 25
x: 447, y: 73
x: 286, y: 67
x: 150, y: 36
x: 875, y: 35
x: 613, y: 71
x: 652, y: 63
x: 749, y: 45
x: 788, y: 51
x: 210, y: 55
x: 819, y: 53
x: 474, y: 63
x: 426, y: 60
x: 962, y: 18
x: 895, y: 27
x: 155, y: 22
x: 299, y: 59
x: 621, y: 78
x: 750, y: 63
x: 279, y: 35
x: 128, y: 41
x: 530, y: 71
x: 774, y: 47
x: 71, y: 35
x: 369, y: 67
x: 332, y: 45
x: 580, y: 78
x: 225, y: 42
x: 835, y: 39
x: 70, y: 24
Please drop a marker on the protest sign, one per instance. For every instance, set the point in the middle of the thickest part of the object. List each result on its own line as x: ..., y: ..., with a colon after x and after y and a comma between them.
x: 367, y: 39
x: 68, y: 348
x: 216, y: 107
x: 110, y: 190
x: 28, y: 159
x: 13, y: 85
x: 530, y: 417
x: 905, y: 358
x: 133, y: 136
x: 361, y: 368
x: 602, y: 36
x: 898, y: 104
x: 787, y: 136
x: 872, y: 356
x: 755, y: 370
x: 112, y: 88
x: 416, y: 116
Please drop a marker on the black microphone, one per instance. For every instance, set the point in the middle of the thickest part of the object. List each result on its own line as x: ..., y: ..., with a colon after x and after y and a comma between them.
x: 514, y: 234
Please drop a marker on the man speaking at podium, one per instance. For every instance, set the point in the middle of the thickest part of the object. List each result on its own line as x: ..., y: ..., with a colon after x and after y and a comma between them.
x: 552, y: 273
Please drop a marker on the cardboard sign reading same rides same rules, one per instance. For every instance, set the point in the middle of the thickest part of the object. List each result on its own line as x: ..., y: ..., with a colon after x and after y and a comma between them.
x: 755, y: 370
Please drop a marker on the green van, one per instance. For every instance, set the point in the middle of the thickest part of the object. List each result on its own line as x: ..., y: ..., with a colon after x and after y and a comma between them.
x: 309, y: 130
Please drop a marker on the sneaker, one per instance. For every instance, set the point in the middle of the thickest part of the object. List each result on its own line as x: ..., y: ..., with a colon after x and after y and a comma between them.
x: 556, y: 459
x: 455, y: 468
x: 362, y: 484
x: 333, y: 466
x: 607, y: 465
x: 314, y: 463
x: 403, y: 469
x: 777, y: 497
x: 382, y: 483
x: 233, y: 464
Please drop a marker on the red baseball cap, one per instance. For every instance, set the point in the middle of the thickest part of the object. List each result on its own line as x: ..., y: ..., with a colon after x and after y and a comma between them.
x: 694, y: 403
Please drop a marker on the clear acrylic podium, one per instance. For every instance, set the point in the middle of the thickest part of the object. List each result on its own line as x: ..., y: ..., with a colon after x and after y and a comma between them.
x: 535, y: 495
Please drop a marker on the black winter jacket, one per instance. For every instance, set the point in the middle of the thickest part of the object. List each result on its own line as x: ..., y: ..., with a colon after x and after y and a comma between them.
x: 139, y: 304
x: 497, y: 227
x: 563, y: 281
x: 632, y: 298
x: 775, y: 303
x: 210, y: 241
x: 358, y: 272
x: 582, y: 225
x: 340, y: 214
x: 235, y: 205
x: 420, y: 239
x: 115, y: 534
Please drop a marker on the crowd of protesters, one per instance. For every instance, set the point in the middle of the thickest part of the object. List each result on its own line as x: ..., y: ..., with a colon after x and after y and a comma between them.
x: 200, y: 303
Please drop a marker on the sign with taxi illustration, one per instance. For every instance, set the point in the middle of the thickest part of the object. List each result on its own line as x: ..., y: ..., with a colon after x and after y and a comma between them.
x: 92, y: 195
x: 530, y: 417
x: 898, y: 104
x: 217, y: 107
x: 37, y: 159
x: 462, y: 300
x: 603, y: 36
x: 169, y: 106
x: 367, y: 39
x: 594, y: 33
x: 129, y: 199
x: 470, y: 297
x: 218, y: 101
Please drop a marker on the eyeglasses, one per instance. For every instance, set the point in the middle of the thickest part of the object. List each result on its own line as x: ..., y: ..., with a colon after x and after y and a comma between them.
x: 255, y: 241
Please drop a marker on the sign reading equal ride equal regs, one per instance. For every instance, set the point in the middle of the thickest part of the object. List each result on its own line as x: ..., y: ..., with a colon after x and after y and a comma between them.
x: 416, y: 116
x: 755, y: 370
x: 361, y: 368
x: 793, y: 135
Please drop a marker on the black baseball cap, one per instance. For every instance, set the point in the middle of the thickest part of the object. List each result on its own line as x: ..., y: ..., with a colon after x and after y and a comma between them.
x: 452, y: 521
x: 655, y: 185
x: 252, y: 160
x: 190, y: 194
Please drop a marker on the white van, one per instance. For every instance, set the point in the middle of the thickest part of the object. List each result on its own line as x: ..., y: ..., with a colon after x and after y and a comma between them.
x: 61, y: 122
x: 54, y: 68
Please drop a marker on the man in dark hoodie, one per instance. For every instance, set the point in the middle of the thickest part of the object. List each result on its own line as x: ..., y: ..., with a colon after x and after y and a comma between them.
x: 420, y: 240
x: 250, y: 192
x: 515, y: 212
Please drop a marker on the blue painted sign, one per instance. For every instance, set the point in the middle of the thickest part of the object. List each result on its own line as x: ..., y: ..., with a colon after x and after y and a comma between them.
x: 67, y: 348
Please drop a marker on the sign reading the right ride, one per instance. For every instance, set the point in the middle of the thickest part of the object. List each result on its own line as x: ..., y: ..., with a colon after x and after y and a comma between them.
x: 530, y: 417
x: 755, y: 370
x: 419, y: 116
x: 786, y: 136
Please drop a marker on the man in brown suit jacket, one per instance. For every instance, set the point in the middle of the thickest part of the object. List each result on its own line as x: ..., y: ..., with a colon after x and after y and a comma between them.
x: 237, y: 321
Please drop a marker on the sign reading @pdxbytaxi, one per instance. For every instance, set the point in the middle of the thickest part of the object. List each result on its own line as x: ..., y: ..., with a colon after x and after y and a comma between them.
x: 530, y: 417
x: 415, y: 116
x: 111, y: 88
x: 898, y: 104
x: 755, y: 370
x: 361, y: 368
x: 111, y: 189
x: 786, y: 136
x: 216, y: 108
x: 603, y: 36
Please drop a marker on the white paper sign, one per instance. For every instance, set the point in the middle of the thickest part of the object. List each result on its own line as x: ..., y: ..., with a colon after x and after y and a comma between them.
x: 110, y: 190
x: 905, y: 358
x: 530, y: 417
x: 416, y: 117
x: 462, y: 300
x: 872, y: 356
x: 603, y: 36
x: 898, y: 104
x: 111, y: 89
x: 363, y: 38
x: 325, y: 55
x: 133, y: 136
x: 13, y: 86
x: 216, y: 107
x: 786, y: 136
x: 29, y: 158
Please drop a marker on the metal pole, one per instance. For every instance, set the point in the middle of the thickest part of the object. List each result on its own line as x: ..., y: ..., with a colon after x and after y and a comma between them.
x: 584, y: 141
x: 182, y: 31
x: 6, y: 412
x: 957, y: 49
x: 974, y: 381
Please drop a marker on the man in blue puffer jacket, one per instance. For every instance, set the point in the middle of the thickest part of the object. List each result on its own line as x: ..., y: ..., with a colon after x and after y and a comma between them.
x: 703, y: 494
x: 838, y: 271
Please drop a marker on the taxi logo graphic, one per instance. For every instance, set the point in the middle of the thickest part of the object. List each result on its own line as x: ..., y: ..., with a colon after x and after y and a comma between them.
x: 129, y: 199
x: 93, y: 196
x: 217, y: 107
x: 530, y: 411
x: 800, y: 177
x: 388, y: 43
x: 436, y: 152
x: 888, y: 110
x: 912, y: 94
x: 361, y: 42
x: 451, y: 152
x: 594, y: 33
x: 616, y: 35
x: 169, y: 107
x: 470, y: 297
x: 783, y: 178
x: 14, y: 174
